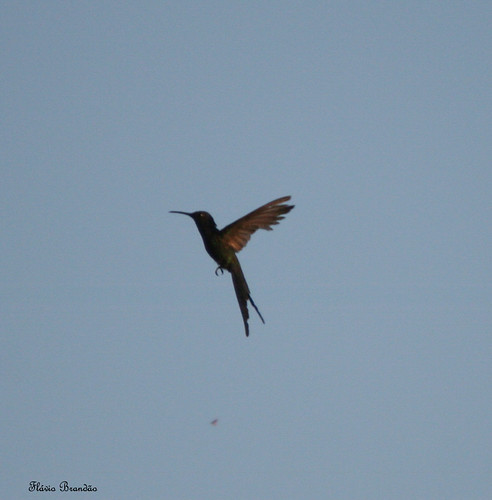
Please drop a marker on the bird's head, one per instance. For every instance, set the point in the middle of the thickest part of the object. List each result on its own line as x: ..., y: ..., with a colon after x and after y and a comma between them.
x: 203, y: 220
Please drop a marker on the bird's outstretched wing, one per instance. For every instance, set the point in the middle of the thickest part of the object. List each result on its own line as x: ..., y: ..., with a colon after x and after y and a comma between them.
x: 239, y: 232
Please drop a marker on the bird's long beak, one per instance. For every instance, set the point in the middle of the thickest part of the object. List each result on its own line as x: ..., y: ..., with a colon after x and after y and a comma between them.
x: 176, y: 212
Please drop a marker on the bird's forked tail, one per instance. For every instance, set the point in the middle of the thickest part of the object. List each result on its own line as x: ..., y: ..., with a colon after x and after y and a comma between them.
x: 242, y: 293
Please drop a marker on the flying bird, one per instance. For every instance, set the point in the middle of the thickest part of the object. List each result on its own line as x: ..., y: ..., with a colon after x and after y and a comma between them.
x: 222, y: 245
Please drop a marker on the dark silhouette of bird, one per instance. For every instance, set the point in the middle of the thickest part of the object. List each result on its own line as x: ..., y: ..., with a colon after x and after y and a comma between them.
x: 222, y: 245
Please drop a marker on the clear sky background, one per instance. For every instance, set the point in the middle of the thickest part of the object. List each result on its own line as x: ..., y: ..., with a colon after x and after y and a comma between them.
x: 371, y: 378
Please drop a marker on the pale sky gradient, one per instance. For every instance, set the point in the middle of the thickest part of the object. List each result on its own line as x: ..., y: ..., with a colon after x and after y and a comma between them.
x: 371, y: 378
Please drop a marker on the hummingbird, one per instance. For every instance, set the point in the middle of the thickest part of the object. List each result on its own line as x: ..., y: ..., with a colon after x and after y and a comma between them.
x: 223, y: 245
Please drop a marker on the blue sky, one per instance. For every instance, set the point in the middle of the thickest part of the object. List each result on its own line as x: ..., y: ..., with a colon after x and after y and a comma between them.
x: 371, y: 377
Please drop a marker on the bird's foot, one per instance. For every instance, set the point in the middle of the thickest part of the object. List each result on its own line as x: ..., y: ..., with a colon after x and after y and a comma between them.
x: 219, y: 268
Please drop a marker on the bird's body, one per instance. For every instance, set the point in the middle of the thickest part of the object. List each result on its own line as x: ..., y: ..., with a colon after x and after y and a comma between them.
x: 222, y: 245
